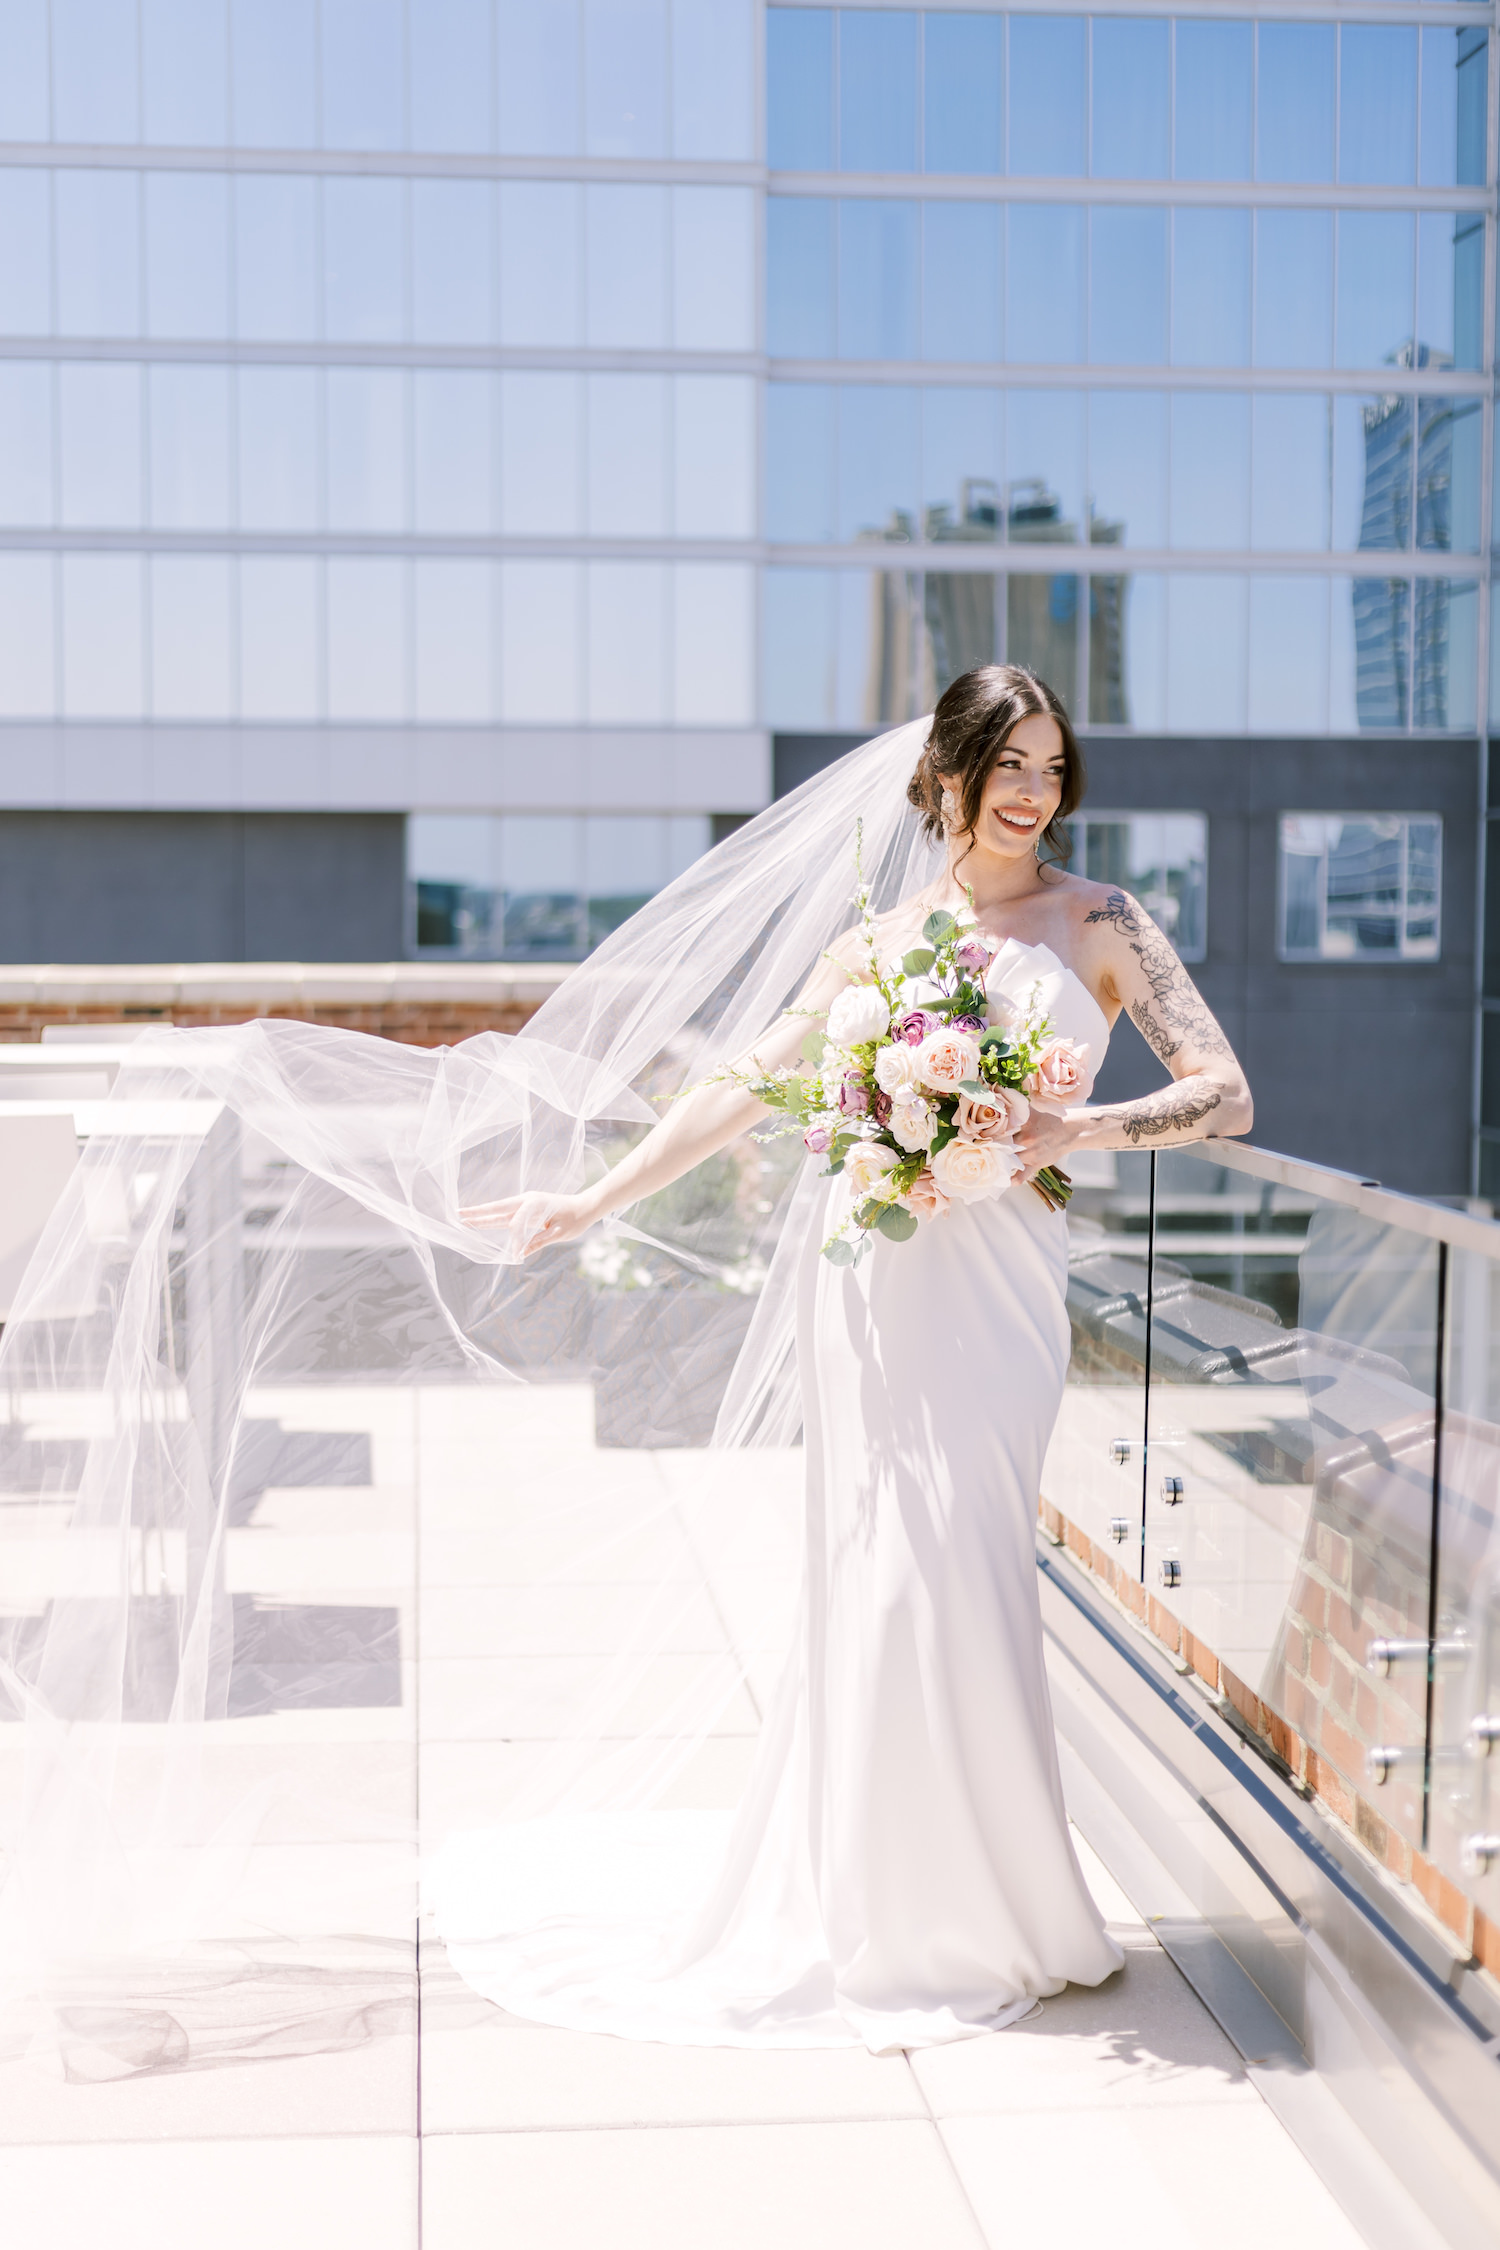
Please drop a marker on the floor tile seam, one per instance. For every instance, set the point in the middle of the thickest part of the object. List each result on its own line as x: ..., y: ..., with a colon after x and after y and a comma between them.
x: 670, y: 2125
x: 160, y: 2141
x: 982, y: 2233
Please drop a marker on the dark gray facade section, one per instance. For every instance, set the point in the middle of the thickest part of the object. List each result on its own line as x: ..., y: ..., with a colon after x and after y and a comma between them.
x: 191, y: 886
x: 1363, y: 1067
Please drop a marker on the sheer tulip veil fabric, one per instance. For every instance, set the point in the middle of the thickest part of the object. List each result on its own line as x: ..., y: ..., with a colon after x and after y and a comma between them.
x: 264, y: 1399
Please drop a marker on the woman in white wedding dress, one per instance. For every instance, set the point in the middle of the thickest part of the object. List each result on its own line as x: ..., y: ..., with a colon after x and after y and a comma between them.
x: 900, y: 1869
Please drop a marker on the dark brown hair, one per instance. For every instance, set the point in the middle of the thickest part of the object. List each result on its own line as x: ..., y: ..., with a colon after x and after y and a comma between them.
x: 971, y: 725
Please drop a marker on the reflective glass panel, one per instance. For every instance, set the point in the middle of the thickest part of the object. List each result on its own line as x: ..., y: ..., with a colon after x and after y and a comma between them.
x: 1044, y: 471
x: 1128, y: 286
x: 1047, y: 98
x: 541, y: 875
x: 1450, y: 289
x: 1378, y: 104
x: 1465, y: 1802
x: 962, y: 84
x: 538, y: 55
x: 713, y: 644
x: 1215, y: 85
x: 25, y: 91
x: 1376, y: 249
x: 623, y: 865
x: 1288, y: 673
x: 98, y: 253
x: 1210, y: 288
x: 801, y: 454
x: 1041, y: 628
x: 541, y: 451
x: 626, y: 675
x: 882, y: 668
x: 362, y: 74
x: 878, y: 81
x: 799, y: 89
x: 541, y: 641
x: 1206, y: 655
x: 961, y: 613
x: 185, y: 53
x: 1127, y: 650
x: 99, y: 416
x: 713, y: 439
x: 26, y: 450
x: 1293, y: 287
x: 1359, y: 887
x: 26, y: 252
x: 625, y: 77
x: 1210, y: 502
x: 625, y: 290
x: 713, y: 269
x: 1127, y: 479
x: 453, y: 618
x: 962, y: 466
x: 1294, y: 107
x: 275, y: 71
x: 452, y: 261
x: 1372, y: 472
x: 187, y: 254
x: 1371, y: 652
x: 189, y: 450
x: 1291, y: 474
x: 540, y: 270
x: 278, y: 448
x: 627, y: 456
x: 799, y: 645
x: 276, y: 273
x: 191, y: 634
x: 453, y: 451
x: 367, y: 621
x: 1445, y: 652
x: 1448, y: 474
x: 104, y: 673
x: 1454, y: 67
x: 453, y: 870
x: 713, y: 78
x: 28, y: 629
x: 1162, y: 858
x: 452, y: 75
x: 95, y: 81
x: 364, y: 300
x: 878, y: 295
x: 279, y: 659
x: 879, y: 462
x: 1044, y: 302
x: 1130, y: 81
x: 366, y: 468
x: 799, y: 277
x: 961, y: 271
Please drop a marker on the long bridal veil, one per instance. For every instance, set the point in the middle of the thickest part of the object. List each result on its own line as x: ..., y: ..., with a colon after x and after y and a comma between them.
x: 298, y: 1475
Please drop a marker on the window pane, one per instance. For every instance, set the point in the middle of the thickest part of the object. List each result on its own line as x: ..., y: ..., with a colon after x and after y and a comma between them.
x: 1214, y: 85
x: 627, y: 456
x: 542, y: 872
x: 627, y: 260
x: 879, y: 644
x: 1372, y: 647
x: 100, y: 414
x: 1372, y: 472
x: 1376, y: 249
x: 960, y: 612
x: 1378, y: 104
x: 25, y: 95
x: 452, y: 261
x: 1450, y: 289
x: 362, y: 73
x: 363, y: 256
x: 877, y: 90
x: 1047, y: 96
x: 1466, y: 475
x: 801, y: 454
x: 962, y: 466
x: 190, y: 468
x: 276, y: 275
x: 1294, y: 108
x: 1445, y: 652
x: 26, y: 252
x: 1128, y: 287
x: 1206, y: 654
x: 879, y: 474
x: 713, y: 78
x: 540, y: 292
x: 1454, y: 68
x: 1210, y: 505
x: 1448, y: 474
x: 1130, y: 79
x: 26, y: 443
x: 1290, y: 485
x: 1288, y: 655
x: 626, y: 678
x: 279, y: 636
x: 278, y: 441
x: 366, y: 448
x: 713, y: 456
x: 623, y: 865
x: 961, y: 261
x: 713, y: 269
x: 187, y: 254
x: 878, y: 317
x: 1128, y: 469
x: 453, y: 450
x: 1044, y: 283
x: 190, y: 637
x: 275, y: 71
x: 185, y: 46
x: 541, y: 452
x: 28, y: 659
x: 539, y: 76
x: 102, y: 624
x: 1293, y: 288
x: 366, y: 637
x: 98, y: 253
x: 1128, y: 650
x: 625, y: 77
x: 454, y: 608
x: 95, y: 90
x: 452, y: 75
x: 962, y: 73
x: 713, y: 644
x: 1041, y: 630
x: 799, y: 89
x: 541, y: 641
x: 799, y: 644
x: 1044, y: 456
x: 799, y: 277
x: 1211, y: 288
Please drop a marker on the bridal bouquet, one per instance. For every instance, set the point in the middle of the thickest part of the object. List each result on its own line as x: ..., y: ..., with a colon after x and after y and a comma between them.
x: 918, y: 1106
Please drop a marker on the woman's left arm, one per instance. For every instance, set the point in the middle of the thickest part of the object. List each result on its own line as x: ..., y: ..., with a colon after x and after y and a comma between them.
x: 1209, y: 1093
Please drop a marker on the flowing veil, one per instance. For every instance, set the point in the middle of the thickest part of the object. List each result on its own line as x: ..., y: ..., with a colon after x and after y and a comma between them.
x: 274, y: 1424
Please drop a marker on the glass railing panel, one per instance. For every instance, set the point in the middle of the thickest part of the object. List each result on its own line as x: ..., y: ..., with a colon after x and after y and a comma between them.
x: 1094, y: 1465
x: 1290, y: 1454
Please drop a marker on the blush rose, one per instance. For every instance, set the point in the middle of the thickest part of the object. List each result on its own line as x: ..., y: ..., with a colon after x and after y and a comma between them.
x: 945, y: 1059
x: 974, y: 1171
x: 1061, y: 1076
x: 924, y: 1198
x: 1003, y: 1113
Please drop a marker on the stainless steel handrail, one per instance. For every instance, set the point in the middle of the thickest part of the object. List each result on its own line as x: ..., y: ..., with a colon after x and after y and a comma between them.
x: 1464, y: 1230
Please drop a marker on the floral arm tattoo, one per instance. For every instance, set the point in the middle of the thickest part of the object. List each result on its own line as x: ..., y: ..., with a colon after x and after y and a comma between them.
x: 1177, y: 1109
x: 1174, y: 1016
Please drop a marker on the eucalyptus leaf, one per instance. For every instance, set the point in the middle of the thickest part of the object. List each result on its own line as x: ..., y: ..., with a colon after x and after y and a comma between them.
x: 994, y: 1042
x: 896, y: 1224
x: 941, y: 1138
x: 938, y: 926
x: 813, y: 1045
x: 975, y: 1087
x: 918, y: 961
x: 839, y: 1252
x: 796, y: 1094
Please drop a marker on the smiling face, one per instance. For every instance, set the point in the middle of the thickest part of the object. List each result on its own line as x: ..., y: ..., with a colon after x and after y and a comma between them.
x: 1022, y: 792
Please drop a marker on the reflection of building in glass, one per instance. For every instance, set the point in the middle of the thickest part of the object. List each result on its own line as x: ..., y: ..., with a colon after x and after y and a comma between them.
x: 1382, y: 662
x: 1041, y: 613
x: 1109, y: 700
x: 1162, y: 858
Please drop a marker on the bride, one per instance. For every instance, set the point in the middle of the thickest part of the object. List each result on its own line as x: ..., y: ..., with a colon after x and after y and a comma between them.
x: 900, y: 1869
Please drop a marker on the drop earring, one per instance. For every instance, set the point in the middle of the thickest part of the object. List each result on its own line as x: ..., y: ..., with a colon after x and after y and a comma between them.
x: 948, y: 809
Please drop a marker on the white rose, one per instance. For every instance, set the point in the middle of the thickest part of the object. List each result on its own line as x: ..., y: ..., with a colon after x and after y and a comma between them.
x: 912, y: 1121
x: 974, y: 1171
x: 945, y: 1059
x: 866, y: 1165
x: 896, y: 1068
x: 858, y: 1015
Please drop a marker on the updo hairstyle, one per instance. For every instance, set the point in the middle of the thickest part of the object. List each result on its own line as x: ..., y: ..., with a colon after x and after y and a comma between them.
x: 971, y: 725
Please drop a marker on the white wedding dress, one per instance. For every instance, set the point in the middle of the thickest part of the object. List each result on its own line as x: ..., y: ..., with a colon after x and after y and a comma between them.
x: 899, y: 1871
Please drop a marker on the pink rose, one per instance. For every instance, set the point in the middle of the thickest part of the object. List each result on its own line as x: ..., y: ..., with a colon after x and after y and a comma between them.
x: 854, y: 1097
x: 967, y: 1023
x: 924, y: 1198
x: 974, y: 953
x: 818, y: 1139
x: 913, y: 1028
x: 946, y: 1058
x: 974, y: 1171
x: 1062, y: 1075
x: 1002, y: 1113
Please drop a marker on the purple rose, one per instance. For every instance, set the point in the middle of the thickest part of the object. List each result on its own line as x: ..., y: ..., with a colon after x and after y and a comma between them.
x: 968, y: 1023
x: 854, y: 1100
x: 973, y: 955
x: 818, y: 1139
x: 915, y: 1027
x: 880, y: 1108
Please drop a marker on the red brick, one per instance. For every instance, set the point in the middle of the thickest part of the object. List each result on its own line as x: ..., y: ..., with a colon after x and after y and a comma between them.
x: 1132, y: 1594
x: 1202, y: 1658
x: 1309, y: 1602
x: 1326, y: 1784
x: 1366, y: 1710
x: 1336, y: 1744
x: 1446, y: 1899
x: 1246, y: 1703
x: 1163, y: 1624
x: 1485, y: 1943
x: 1079, y: 1542
x: 1320, y: 1663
